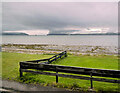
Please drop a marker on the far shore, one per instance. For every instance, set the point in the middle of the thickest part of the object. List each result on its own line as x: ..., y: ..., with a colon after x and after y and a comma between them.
x: 52, y: 49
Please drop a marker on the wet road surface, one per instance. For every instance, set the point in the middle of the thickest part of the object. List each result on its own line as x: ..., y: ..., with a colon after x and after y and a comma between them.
x: 13, y: 86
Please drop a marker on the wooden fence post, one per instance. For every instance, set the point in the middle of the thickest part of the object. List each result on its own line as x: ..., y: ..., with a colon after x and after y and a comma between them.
x: 55, y: 58
x: 56, y: 75
x: 91, y: 80
x: 65, y: 53
x: 60, y: 56
x: 48, y: 60
x: 21, y: 73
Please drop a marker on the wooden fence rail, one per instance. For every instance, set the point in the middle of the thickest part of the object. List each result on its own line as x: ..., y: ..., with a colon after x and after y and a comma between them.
x: 77, y: 71
x: 50, y: 60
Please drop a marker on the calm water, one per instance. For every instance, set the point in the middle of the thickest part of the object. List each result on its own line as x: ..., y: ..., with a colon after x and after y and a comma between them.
x: 94, y: 40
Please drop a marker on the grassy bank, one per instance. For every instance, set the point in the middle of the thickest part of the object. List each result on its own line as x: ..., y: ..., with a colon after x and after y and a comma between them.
x: 10, y: 70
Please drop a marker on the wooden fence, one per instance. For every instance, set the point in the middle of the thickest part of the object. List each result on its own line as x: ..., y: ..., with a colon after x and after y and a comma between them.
x: 77, y: 71
x: 50, y: 60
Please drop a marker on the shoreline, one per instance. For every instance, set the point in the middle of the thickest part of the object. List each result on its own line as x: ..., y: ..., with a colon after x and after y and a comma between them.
x: 53, y: 49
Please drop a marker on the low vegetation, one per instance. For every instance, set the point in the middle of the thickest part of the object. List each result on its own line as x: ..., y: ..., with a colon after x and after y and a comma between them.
x: 10, y: 70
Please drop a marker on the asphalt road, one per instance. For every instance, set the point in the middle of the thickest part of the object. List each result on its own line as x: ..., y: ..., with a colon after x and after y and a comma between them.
x: 13, y: 87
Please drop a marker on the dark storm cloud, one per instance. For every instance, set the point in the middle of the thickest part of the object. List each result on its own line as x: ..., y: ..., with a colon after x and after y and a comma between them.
x: 28, y: 16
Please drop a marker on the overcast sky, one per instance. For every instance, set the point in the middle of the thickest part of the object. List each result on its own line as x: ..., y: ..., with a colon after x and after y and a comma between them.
x: 59, y: 16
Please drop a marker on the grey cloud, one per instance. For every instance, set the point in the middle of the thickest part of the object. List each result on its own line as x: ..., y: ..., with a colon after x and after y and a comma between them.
x: 27, y: 16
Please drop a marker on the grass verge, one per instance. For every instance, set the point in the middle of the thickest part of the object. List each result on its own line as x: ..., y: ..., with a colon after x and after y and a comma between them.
x: 10, y: 70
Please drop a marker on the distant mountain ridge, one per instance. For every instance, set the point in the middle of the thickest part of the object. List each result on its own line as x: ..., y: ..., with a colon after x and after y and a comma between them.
x: 13, y: 33
x: 21, y: 33
x: 88, y: 34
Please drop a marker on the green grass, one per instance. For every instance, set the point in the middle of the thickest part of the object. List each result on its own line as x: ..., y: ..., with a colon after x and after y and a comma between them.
x: 10, y: 62
x: 101, y: 62
x: 10, y: 70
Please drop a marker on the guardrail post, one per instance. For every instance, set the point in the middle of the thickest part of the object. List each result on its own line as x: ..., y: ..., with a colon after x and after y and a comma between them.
x: 91, y: 81
x: 56, y: 75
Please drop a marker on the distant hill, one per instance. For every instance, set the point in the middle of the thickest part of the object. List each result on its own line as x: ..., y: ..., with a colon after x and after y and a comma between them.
x: 99, y: 34
x: 57, y: 34
x: 6, y: 33
x: 90, y: 34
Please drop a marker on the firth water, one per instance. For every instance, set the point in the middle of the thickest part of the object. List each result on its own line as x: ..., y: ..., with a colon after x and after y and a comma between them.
x: 91, y: 40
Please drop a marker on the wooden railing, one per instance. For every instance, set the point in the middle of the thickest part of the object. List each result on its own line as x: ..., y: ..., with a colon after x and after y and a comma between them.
x: 50, y: 60
x: 77, y: 71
